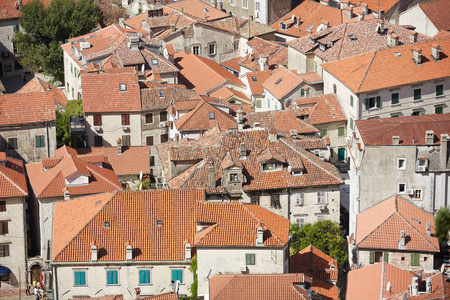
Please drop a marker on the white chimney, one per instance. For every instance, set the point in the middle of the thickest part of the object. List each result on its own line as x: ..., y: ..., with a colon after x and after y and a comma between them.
x: 66, y: 195
x: 436, y: 52
x: 402, y: 242
x: 263, y: 63
x: 417, y: 55
x: 429, y: 137
x: 293, y: 132
x: 272, y: 136
x: 129, y: 254
x: 428, y: 228
x: 119, y: 146
x: 94, y: 251
x: 395, y: 140
x: 413, y: 36
x: 380, y: 26
x: 134, y: 43
x: 415, y: 286
x: 349, y: 12
x: 187, y: 252
x: 259, y: 236
x: 242, y: 151
x: 443, y: 151
x: 365, y: 8
x: 392, y: 40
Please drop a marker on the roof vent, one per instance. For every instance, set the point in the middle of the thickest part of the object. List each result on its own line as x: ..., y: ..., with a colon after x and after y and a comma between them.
x: 428, y: 229
x: 436, y: 52
x: 272, y: 136
x: 85, y: 45
x: 395, y: 140
x: 402, y: 242
x: 417, y: 55
x: 429, y: 137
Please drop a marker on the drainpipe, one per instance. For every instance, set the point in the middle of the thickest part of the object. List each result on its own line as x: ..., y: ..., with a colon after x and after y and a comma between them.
x: 289, y: 205
x: 55, y: 288
x: 48, y: 141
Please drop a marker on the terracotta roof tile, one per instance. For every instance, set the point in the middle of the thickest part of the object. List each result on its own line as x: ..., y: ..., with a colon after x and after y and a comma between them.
x: 12, y: 177
x: 285, y: 121
x: 372, y: 71
x: 281, y: 82
x: 165, y: 296
x: 51, y: 183
x: 227, y: 93
x: 163, y: 96
x: 241, y: 26
x: 232, y: 64
x: 379, y: 227
x: 322, y: 109
x: 311, y: 143
x: 276, y: 54
x: 256, y: 80
x: 410, y: 129
x: 198, y: 9
x: 10, y: 10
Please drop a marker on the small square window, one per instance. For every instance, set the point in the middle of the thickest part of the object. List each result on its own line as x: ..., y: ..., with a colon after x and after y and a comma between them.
x: 155, y: 62
x: 417, y: 94
x: 123, y: 87
x: 402, y: 188
x: 12, y: 144
x: 149, y: 140
x: 341, y: 131
x: 106, y: 225
x: 394, y: 98
x: 275, y: 201
x: 250, y: 259
x: 196, y: 50
x: 160, y: 94
x: 40, y: 141
x: 439, y: 110
x: 234, y: 177
x: 212, y: 49
x: 254, y: 79
x: 149, y: 118
x: 323, y: 132
x: 211, y: 115
x: 401, y: 163
x: 439, y: 90
x: 418, y: 194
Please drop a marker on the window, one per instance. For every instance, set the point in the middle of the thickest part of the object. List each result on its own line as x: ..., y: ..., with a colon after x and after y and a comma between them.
x: 418, y: 112
x: 440, y: 90
x: 4, y: 227
x: 417, y: 94
x: 371, y: 257
x: 386, y: 257
x: 125, y: 119
x: 152, y: 161
x: 320, y: 218
x: 300, y: 221
x: 211, y: 115
x: 196, y: 50
x: 71, y: 68
x: 79, y: 277
x: 212, y: 49
x: 438, y: 110
x: 258, y: 103
x: 351, y: 100
x: 163, y: 116
x: 40, y: 141
x: 234, y: 177
x: 126, y: 140
x: 98, y: 141
x: 268, y: 103
x: 394, y: 98
x: 250, y: 259
x: 401, y: 163
x: 177, y: 274
x: 236, y: 45
x: 341, y: 131
x: 112, y: 277
x: 106, y: 224
x: 300, y: 198
x: 415, y: 259
x: 323, y: 132
x: 254, y: 200
x: 341, y: 154
x: 315, y: 66
x: 12, y: 143
x: 351, y: 123
x: 144, y: 276
x: 283, y: 26
x: 160, y: 94
x: 232, y: 2
x: 278, y: 81
x: 4, y: 250
x: 149, y: 118
x: 73, y: 93
x: 155, y: 62
x: 15, y: 27
x: 123, y: 87
x: 97, y: 120
x: 321, y: 197
x: 373, y: 102
x: 164, y: 138
x: 2, y: 205
x: 401, y: 188
x: 149, y: 140
x: 244, y: 3
x: 275, y: 201
x: 257, y: 6
x: 418, y: 194
x: 302, y: 92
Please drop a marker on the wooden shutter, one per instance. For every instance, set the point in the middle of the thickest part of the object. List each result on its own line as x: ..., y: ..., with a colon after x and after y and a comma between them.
x: 415, y: 259
x: 97, y: 120
x: 125, y: 119
x: 366, y: 102
x: 2, y: 206
x: 378, y: 101
x: 371, y: 257
x: 386, y: 257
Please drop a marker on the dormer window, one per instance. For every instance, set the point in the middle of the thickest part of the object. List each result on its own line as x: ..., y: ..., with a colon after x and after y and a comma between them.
x: 310, y: 27
x: 123, y: 87
x: 160, y: 94
x: 297, y: 172
x: 352, y: 37
x: 283, y: 26
x: 272, y: 166
x: 211, y: 115
x: 106, y: 225
x: 234, y: 177
x: 322, y: 47
x: 254, y: 78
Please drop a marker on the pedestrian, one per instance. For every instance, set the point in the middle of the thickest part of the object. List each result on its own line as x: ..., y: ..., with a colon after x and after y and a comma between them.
x: 41, y: 292
x: 28, y: 289
x: 36, y: 293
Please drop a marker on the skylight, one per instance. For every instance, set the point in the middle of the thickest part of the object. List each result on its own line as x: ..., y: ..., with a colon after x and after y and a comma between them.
x: 158, y: 222
x: 254, y: 78
x: 278, y: 81
x: 397, y: 54
x: 155, y: 62
x: 106, y: 225
x: 160, y: 94
x: 206, y: 10
x: 310, y: 27
x: 352, y: 37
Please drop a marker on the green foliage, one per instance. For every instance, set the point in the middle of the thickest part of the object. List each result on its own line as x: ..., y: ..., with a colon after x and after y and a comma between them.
x: 442, y: 221
x: 146, y: 182
x: 324, y: 235
x: 73, y: 109
x: 46, y: 29
x: 193, y: 269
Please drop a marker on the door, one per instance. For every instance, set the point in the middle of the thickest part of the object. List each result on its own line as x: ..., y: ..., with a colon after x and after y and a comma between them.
x: 341, y: 154
x: 35, y: 274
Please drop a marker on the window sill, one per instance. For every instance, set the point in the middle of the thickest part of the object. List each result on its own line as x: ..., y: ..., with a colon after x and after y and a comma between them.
x: 298, y: 205
x: 417, y: 100
x: 112, y: 285
x: 145, y: 284
x: 395, y: 105
x: 440, y: 96
x: 77, y: 286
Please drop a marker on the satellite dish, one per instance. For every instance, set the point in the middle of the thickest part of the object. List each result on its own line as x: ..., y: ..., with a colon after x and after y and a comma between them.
x: 288, y: 102
x: 388, y: 287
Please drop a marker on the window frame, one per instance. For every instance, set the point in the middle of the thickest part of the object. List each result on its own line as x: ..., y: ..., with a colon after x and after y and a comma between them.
x: 341, y: 131
x: 125, y: 119
x: 196, y: 47
x: 246, y: 4
x: 417, y: 94
x: 2, y: 206
x: 163, y: 116
x: 214, y: 45
x: 13, y: 147
x: 395, y: 98
x: 116, y: 278
x: 4, y: 250
x: 299, y: 199
x: 398, y: 163
x: 275, y: 201
x: 152, y: 139
x: 399, y: 186
x: 438, y: 110
x: 40, y: 141
x: 4, y: 227
x: 372, y: 102
x: 321, y: 195
x: 126, y: 140
x: 418, y: 192
x: 211, y: 115
x: 250, y: 259
x: 98, y: 141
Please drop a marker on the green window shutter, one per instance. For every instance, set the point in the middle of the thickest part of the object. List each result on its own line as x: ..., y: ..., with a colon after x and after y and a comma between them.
x: 15, y: 28
x: 40, y: 141
x: 351, y: 123
x: 415, y: 259
x: 440, y: 90
x: 323, y: 132
x: 417, y: 94
x: 422, y: 112
x: 366, y: 102
x: 371, y: 257
x: 341, y: 154
x: 341, y: 131
x: 152, y: 161
x: 144, y: 276
x: 394, y: 98
x: 177, y: 275
x: 302, y: 92
x: 386, y: 257
x: 378, y: 101
x: 351, y: 100
x: 438, y: 110
x: 250, y: 259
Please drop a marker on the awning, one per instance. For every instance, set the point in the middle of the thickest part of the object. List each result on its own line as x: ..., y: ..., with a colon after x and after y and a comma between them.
x: 4, y: 271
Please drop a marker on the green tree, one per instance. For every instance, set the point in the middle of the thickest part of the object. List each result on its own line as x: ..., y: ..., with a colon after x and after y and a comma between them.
x: 442, y: 223
x: 46, y: 29
x: 73, y: 109
x: 193, y: 268
x: 324, y: 235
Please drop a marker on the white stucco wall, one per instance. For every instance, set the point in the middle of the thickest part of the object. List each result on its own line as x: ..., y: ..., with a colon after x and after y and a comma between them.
x: 72, y: 78
x: 417, y: 18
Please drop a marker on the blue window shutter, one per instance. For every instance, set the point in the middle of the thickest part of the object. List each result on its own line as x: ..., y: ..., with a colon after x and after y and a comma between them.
x: 141, y: 276
x: 177, y: 275
x: 115, y: 277
x: 108, y: 277
x: 77, y: 278
x: 144, y: 276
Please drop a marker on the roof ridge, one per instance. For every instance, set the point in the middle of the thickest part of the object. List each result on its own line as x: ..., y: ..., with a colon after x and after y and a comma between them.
x: 229, y: 283
x: 188, y: 115
x: 423, y: 237
x: 367, y: 70
x: 260, y: 222
x: 384, y: 133
x: 99, y: 174
x: 385, y: 221
x: 192, y: 168
x: 10, y: 180
x: 209, y: 229
x: 87, y: 223
x: 342, y: 40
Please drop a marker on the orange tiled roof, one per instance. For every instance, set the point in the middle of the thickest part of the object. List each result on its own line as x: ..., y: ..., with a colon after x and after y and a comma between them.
x: 165, y: 296
x: 12, y: 177
x: 281, y: 82
x: 198, y: 10
x: 373, y: 71
x: 370, y: 282
x: 258, y: 286
x: 314, y: 262
x: 436, y: 12
x: 285, y: 120
x: 162, y: 96
x: 202, y: 74
x: 226, y: 93
x: 132, y: 161
x: 322, y: 109
x: 232, y: 64
x: 276, y: 53
x: 241, y: 26
x: 256, y: 80
x: 51, y: 182
x: 37, y: 85
x: 379, y: 226
x: 410, y: 129
x: 311, y: 143
x: 243, y: 221
x: 10, y: 10
x: 317, y: 172
x: 199, y: 118
x: 336, y: 43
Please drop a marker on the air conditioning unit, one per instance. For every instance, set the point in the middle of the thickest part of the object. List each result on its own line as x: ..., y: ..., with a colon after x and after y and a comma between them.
x: 97, y: 128
x: 322, y: 207
x: 243, y: 269
x: 421, y: 169
x: 162, y: 124
x: 124, y: 127
x: 410, y: 192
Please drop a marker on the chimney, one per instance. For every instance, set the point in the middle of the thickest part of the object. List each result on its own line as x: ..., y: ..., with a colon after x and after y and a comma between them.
x: 242, y: 151
x: 172, y: 27
x: 263, y: 63
x: 325, y: 2
x: 428, y: 288
x: 212, y: 177
x: 297, y: 21
x: 413, y: 36
x: 402, y: 242
x: 138, y: 292
x: 428, y: 228
x: 429, y: 137
x: 443, y: 151
x: 380, y: 26
x: 365, y: 8
x: 392, y: 40
x: 381, y: 13
x: 415, y: 286
x: 134, y: 43
x: 325, y: 25
x: 436, y: 52
x: 119, y: 146
x: 259, y: 236
x: 94, y: 251
x: 124, y: 3
x: 66, y: 195
x: 19, y: 4
x: 293, y: 133
x: 395, y: 140
x: 344, y: 4
x: 272, y: 135
x: 256, y: 125
x: 349, y: 12
x: 129, y: 250
x: 417, y: 55
x: 187, y: 251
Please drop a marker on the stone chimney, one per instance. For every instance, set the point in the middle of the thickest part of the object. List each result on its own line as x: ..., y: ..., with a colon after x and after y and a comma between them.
x: 138, y: 292
x: 349, y: 12
x: 436, y: 52
x: 381, y: 13
x: 428, y: 286
x: 428, y: 228
x: 263, y: 63
x: 293, y: 133
x: 365, y: 8
x: 134, y: 43
x: 66, y: 194
x: 172, y: 27
x: 94, y: 252
x: 380, y: 26
x: 429, y: 137
x: 119, y: 146
x: 212, y: 177
x: 272, y: 135
x: 402, y: 242
x: 413, y: 36
x: 392, y: 40
x: 443, y: 151
x: 395, y: 140
x: 344, y: 4
x: 415, y: 286
x: 242, y: 151
x: 417, y: 55
x: 187, y: 251
x: 129, y: 252
x: 259, y: 236
x: 297, y: 21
